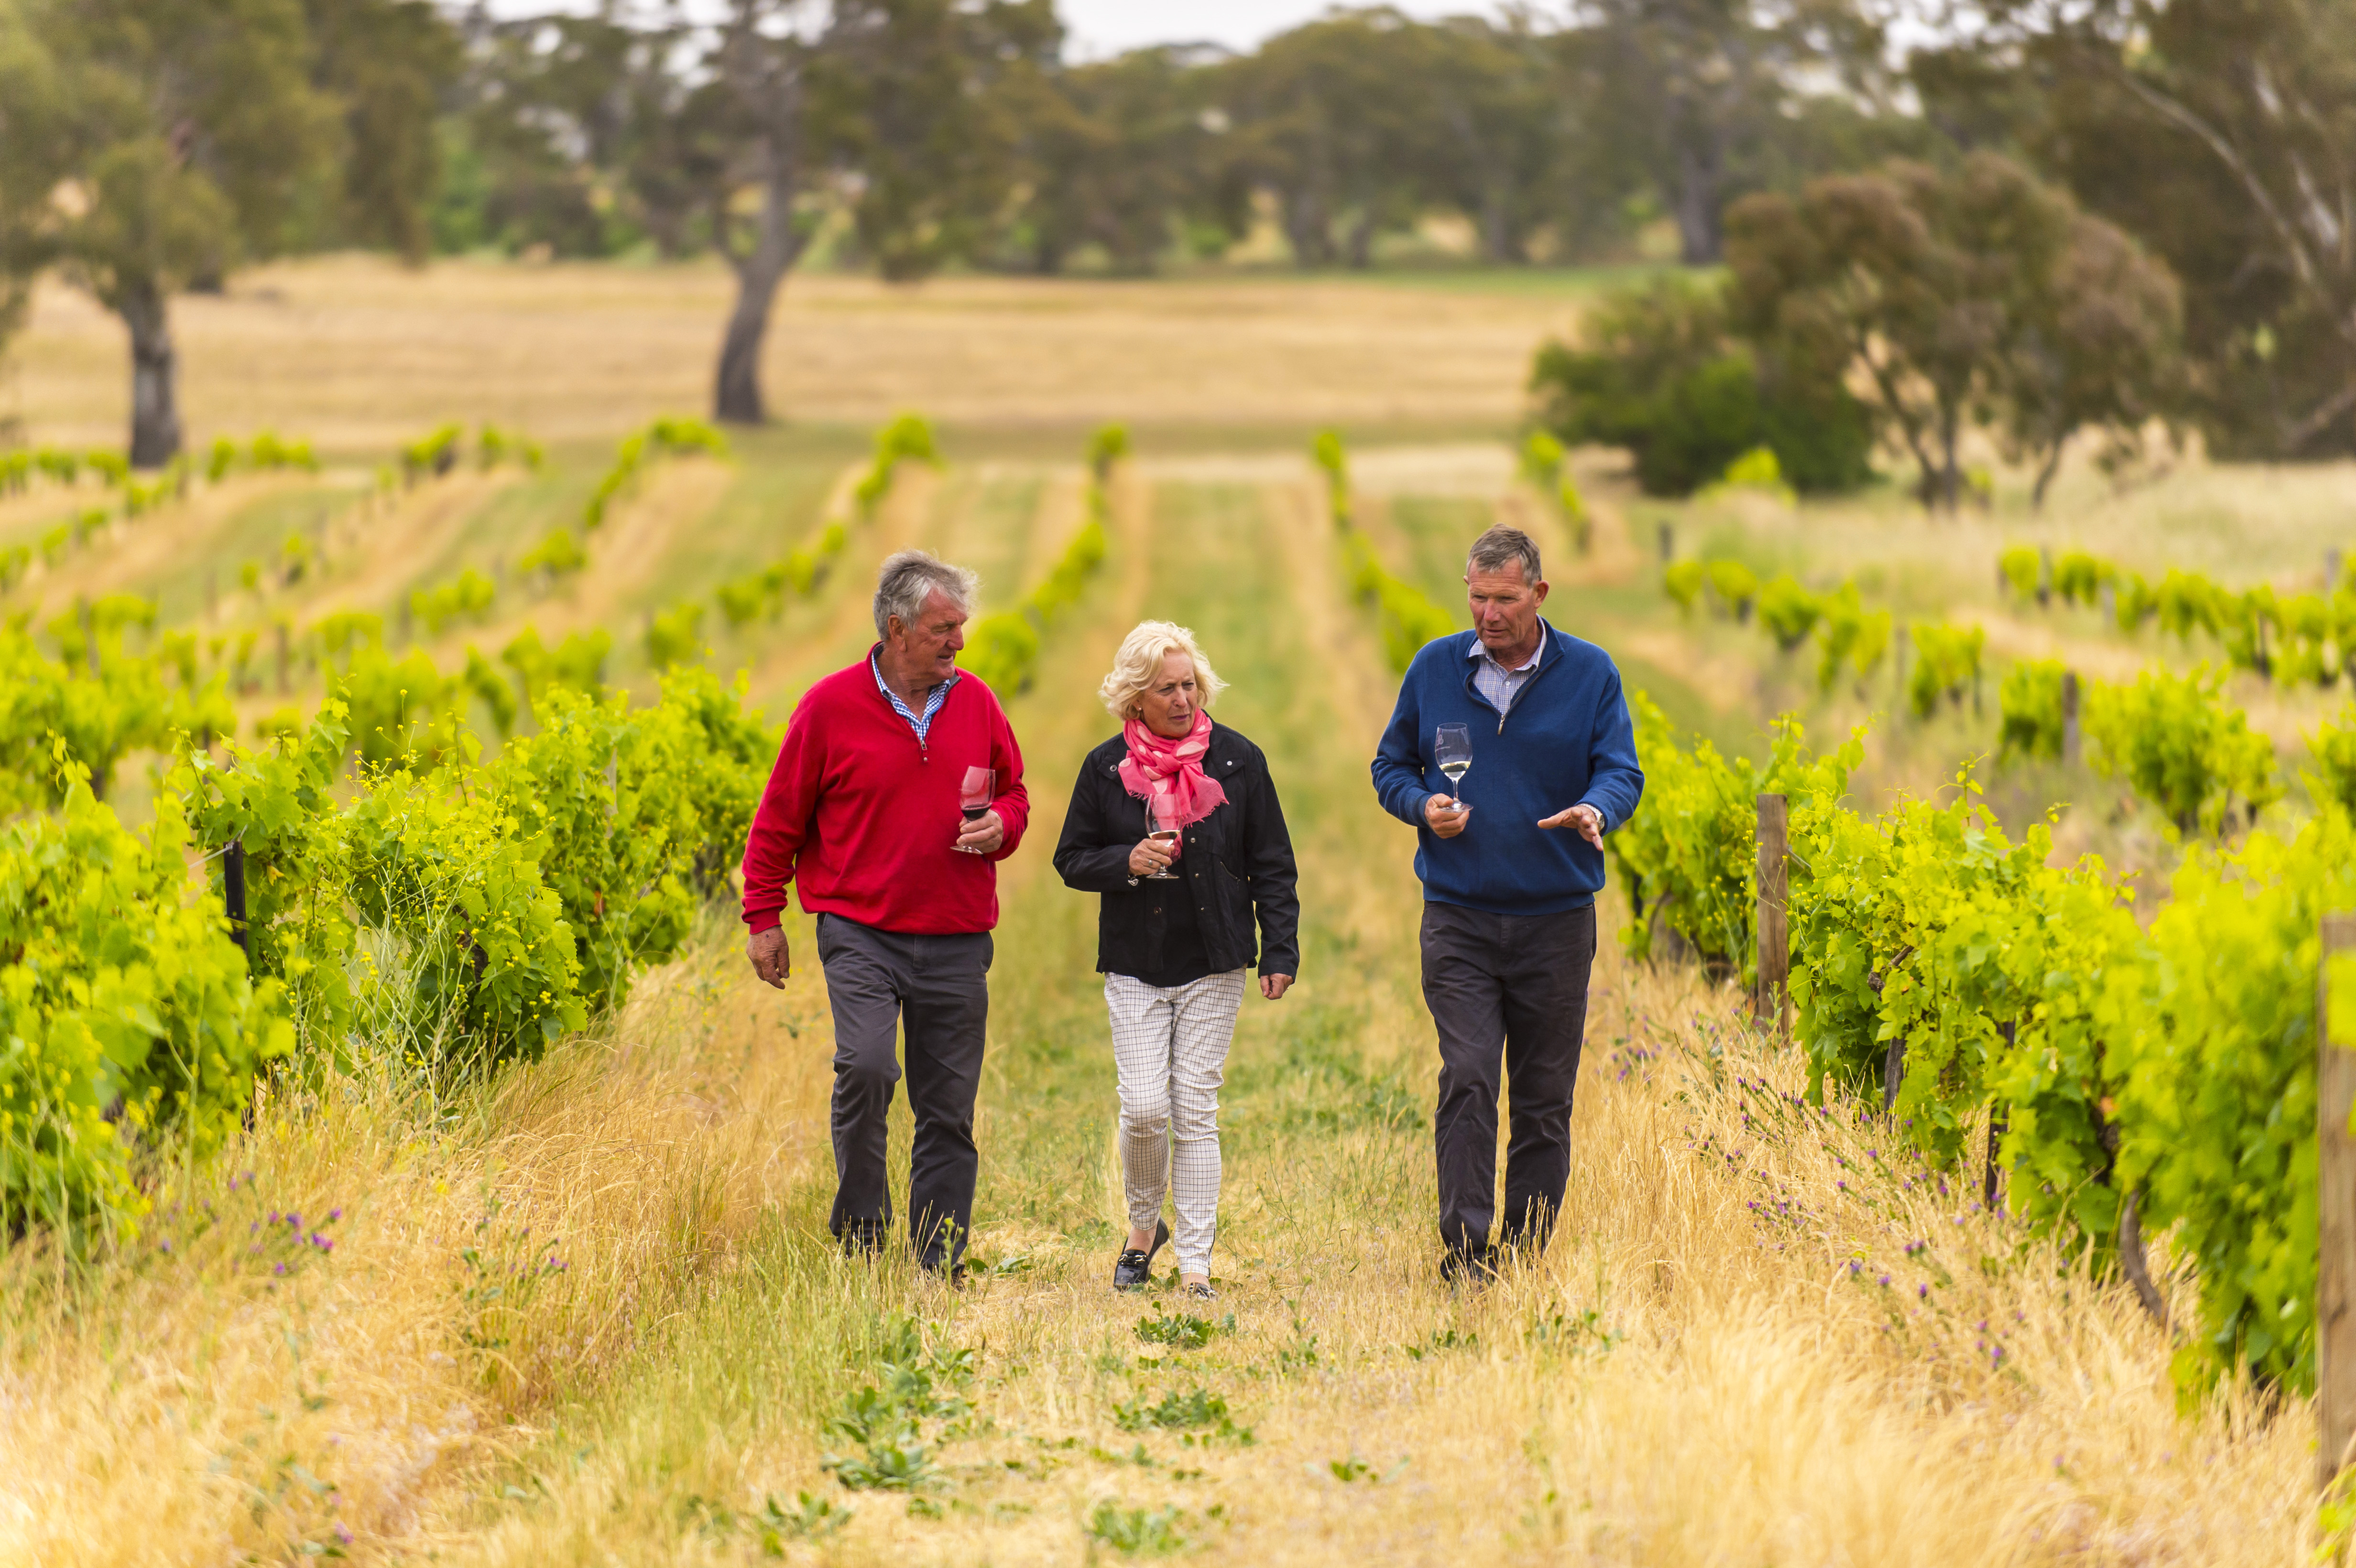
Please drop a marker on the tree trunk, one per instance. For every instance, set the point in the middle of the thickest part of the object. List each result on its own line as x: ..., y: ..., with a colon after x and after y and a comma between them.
x: 1696, y: 210
x: 2052, y: 465
x: 736, y: 394
x: 1305, y: 227
x: 766, y: 78
x: 1497, y: 239
x: 1947, y: 490
x: 154, y: 413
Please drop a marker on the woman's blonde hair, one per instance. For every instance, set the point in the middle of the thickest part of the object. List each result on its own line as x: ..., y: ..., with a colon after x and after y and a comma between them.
x: 1139, y: 665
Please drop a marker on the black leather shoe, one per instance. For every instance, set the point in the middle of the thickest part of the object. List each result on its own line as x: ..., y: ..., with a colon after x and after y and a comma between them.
x: 1461, y: 1268
x: 1133, y: 1270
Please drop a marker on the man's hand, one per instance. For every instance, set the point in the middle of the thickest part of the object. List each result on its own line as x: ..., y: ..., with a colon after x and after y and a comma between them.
x: 1445, y: 817
x: 1586, y: 818
x: 982, y: 836
x: 1274, y: 985
x: 771, y: 962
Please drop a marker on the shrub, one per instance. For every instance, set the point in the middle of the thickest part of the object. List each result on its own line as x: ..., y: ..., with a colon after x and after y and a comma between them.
x: 1681, y: 582
x: 1788, y: 611
x: 2022, y: 569
x: 1406, y: 618
x: 2180, y: 748
x: 2078, y: 578
x: 467, y: 596
x: 1002, y: 650
x: 1946, y: 664
x: 577, y: 663
x: 610, y: 795
x: 2216, y: 1045
x: 129, y: 1013
x: 1661, y: 375
x: 1333, y: 460
x: 676, y: 635
x: 1107, y: 446
x: 473, y: 959
x: 2334, y: 747
x: 1735, y: 586
x: 558, y: 553
x: 908, y: 438
x: 2029, y: 702
x: 1689, y: 856
x: 1756, y: 469
x: 399, y: 714
x: 1849, y: 634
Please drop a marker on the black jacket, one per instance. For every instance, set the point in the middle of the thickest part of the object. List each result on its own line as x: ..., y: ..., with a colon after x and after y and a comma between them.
x: 1237, y: 858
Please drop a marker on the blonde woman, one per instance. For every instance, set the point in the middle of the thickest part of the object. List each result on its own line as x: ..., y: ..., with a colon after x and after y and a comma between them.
x: 1184, y: 915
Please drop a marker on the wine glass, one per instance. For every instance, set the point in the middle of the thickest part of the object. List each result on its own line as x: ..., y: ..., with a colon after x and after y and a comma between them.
x: 1452, y: 749
x: 1162, y: 829
x: 974, y: 797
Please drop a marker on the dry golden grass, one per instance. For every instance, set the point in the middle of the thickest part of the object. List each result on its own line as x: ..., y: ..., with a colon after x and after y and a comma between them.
x: 358, y: 355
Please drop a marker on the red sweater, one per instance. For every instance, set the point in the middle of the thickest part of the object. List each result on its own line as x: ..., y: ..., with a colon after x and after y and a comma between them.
x: 864, y: 815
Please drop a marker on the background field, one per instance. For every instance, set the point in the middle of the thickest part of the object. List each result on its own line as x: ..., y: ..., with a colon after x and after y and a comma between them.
x: 1693, y: 1374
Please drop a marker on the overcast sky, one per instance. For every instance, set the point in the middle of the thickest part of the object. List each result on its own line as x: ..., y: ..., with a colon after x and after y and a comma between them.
x: 1100, y: 27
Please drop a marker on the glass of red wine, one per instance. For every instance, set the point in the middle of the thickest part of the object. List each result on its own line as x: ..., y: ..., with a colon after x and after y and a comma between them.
x: 974, y: 797
x: 1162, y: 828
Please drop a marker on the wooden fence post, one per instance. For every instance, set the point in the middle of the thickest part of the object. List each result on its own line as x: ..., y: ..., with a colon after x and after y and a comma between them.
x: 1668, y: 542
x: 282, y: 686
x: 2335, y: 1171
x: 1773, y: 997
x: 233, y: 893
x: 2072, y: 741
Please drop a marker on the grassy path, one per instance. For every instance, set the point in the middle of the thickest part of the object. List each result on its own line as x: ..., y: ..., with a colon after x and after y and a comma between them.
x: 1758, y: 1339
x: 1668, y: 1385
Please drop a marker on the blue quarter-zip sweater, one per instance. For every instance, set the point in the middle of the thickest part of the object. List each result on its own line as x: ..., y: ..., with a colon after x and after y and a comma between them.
x: 1566, y: 741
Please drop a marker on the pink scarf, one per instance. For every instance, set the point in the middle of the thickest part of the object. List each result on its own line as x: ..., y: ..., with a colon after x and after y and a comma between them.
x: 1170, y: 772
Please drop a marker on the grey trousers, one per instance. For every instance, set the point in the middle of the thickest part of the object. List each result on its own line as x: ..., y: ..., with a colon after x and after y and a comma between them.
x: 937, y: 990
x: 1511, y: 991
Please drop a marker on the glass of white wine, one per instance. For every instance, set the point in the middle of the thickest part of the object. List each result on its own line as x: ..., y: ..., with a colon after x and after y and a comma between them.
x: 1452, y: 749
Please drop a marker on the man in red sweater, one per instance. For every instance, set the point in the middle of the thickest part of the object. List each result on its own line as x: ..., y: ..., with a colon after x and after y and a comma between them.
x: 863, y: 810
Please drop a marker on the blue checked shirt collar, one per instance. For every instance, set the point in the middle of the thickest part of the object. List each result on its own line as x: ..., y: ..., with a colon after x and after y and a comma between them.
x: 922, y: 723
x: 1498, y: 685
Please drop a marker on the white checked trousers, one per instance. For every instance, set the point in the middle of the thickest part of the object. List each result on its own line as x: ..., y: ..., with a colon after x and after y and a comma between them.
x: 1171, y: 1048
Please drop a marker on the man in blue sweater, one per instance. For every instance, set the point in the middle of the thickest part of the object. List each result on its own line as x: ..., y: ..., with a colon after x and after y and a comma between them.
x: 1509, y: 885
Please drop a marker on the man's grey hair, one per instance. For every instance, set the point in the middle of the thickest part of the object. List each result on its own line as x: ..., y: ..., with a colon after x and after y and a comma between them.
x: 1500, y: 548
x: 909, y: 578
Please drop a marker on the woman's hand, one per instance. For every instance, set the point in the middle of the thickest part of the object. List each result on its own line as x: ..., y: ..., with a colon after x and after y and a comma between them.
x: 1148, y: 858
x: 1274, y: 985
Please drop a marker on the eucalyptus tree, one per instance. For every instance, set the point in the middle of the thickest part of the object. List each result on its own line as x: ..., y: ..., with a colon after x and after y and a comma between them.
x: 1700, y: 93
x: 1117, y: 153
x: 2219, y: 133
x: 1955, y: 297
x: 1328, y: 118
x: 32, y: 160
x: 171, y: 141
x: 194, y: 133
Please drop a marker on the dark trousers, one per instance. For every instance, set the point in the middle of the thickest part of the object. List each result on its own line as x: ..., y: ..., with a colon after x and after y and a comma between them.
x: 1509, y: 986
x: 938, y: 990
